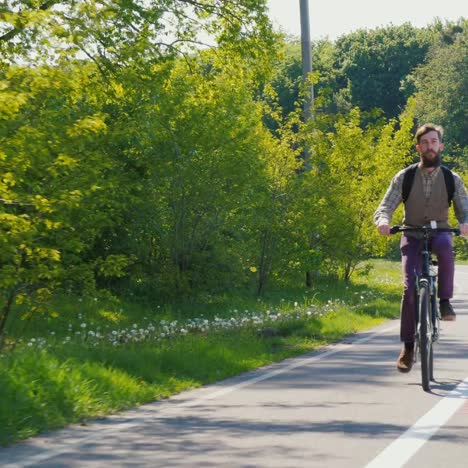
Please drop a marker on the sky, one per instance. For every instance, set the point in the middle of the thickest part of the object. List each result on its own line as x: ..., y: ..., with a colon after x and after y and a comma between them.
x: 333, y: 18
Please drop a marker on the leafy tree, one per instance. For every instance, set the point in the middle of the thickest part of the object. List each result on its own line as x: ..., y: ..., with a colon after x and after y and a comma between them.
x: 274, y: 221
x: 442, y: 89
x: 50, y: 166
x: 287, y: 80
x: 118, y: 159
x: 351, y: 168
x: 115, y: 33
x: 373, y: 64
x: 204, y: 161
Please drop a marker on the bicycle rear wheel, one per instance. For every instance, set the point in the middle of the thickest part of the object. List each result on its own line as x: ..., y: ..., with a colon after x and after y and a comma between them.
x: 425, y: 336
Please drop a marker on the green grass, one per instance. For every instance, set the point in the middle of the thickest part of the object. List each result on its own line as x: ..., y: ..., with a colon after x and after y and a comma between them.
x: 57, y: 383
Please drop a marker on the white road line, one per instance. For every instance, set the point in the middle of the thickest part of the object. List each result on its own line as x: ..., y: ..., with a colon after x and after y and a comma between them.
x: 403, y: 448
x: 296, y: 362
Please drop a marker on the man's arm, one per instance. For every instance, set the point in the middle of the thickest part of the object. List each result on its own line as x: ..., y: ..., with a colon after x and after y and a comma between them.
x: 392, y: 198
x: 460, y: 204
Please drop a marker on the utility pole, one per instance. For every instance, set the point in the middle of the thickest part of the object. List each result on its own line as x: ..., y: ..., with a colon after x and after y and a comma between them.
x: 306, y: 48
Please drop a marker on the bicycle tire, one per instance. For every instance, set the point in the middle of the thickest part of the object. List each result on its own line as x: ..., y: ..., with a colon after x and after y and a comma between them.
x: 435, y: 328
x: 425, y: 336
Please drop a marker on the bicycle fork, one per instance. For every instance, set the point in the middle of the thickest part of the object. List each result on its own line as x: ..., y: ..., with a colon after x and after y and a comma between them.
x: 433, y: 331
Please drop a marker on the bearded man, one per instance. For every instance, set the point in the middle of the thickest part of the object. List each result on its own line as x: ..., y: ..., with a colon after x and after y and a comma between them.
x: 432, y: 190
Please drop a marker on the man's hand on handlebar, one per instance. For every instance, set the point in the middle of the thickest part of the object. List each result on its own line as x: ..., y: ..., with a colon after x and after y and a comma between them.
x: 384, y: 229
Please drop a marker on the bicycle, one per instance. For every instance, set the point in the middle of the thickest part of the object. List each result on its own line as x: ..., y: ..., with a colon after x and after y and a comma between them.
x: 427, y: 315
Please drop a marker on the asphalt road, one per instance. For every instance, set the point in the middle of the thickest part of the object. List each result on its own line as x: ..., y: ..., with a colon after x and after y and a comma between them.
x: 343, y: 406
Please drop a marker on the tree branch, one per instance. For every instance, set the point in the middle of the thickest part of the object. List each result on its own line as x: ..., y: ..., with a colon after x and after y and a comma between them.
x: 17, y: 30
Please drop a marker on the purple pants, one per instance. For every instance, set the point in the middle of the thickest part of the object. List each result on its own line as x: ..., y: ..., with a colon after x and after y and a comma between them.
x: 441, y: 245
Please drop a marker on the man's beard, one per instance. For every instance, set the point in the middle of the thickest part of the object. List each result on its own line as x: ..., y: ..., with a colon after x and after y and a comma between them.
x: 431, y: 162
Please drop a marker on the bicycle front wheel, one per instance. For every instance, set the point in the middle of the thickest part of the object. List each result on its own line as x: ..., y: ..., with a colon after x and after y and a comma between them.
x: 425, y: 336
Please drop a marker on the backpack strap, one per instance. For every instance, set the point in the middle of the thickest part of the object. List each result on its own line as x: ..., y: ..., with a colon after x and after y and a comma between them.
x: 449, y: 183
x: 408, y: 180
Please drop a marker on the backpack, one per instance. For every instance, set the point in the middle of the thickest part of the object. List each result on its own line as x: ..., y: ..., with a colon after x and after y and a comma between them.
x: 408, y: 180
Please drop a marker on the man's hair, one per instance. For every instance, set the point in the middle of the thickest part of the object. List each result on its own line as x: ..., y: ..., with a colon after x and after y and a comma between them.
x: 429, y: 127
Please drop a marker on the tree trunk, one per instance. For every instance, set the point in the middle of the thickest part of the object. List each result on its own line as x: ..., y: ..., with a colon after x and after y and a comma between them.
x: 4, y: 314
x: 265, y: 263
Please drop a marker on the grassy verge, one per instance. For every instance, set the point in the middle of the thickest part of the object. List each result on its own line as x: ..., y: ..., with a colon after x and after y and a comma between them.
x: 96, y: 358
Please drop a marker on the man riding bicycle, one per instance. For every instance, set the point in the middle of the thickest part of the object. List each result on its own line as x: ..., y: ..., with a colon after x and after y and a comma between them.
x: 427, y: 190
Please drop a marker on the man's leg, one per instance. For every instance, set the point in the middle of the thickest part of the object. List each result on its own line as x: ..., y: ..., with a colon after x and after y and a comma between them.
x: 410, y: 262
x: 442, y: 246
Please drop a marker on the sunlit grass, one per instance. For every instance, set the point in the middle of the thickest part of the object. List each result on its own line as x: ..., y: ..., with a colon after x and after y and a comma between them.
x: 99, y: 356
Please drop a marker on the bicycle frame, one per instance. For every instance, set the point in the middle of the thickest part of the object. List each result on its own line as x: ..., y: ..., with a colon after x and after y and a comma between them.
x: 426, y: 314
x: 426, y: 318
x: 428, y: 279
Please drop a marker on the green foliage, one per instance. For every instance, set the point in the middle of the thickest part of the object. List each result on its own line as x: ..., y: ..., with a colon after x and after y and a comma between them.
x: 287, y: 79
x: 350, y: 169
x: 136, y: 164
x: 201, y: 157
x: 374, y: 63
x: 442, y: 90
x: 117, y: 34
x: 369, y: 69
x: 363, y: 69
x: 127, y: 170
x: 44, y: 179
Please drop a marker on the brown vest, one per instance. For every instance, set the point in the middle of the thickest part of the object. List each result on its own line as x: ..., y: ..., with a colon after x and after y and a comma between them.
x: 420, y: 211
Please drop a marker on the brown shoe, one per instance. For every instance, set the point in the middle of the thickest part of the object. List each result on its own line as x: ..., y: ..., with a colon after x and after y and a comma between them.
x: 446, y: 311
x: 405, y: 360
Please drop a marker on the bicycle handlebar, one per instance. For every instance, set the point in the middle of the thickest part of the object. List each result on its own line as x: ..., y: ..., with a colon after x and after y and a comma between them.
x: 423, y: 229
